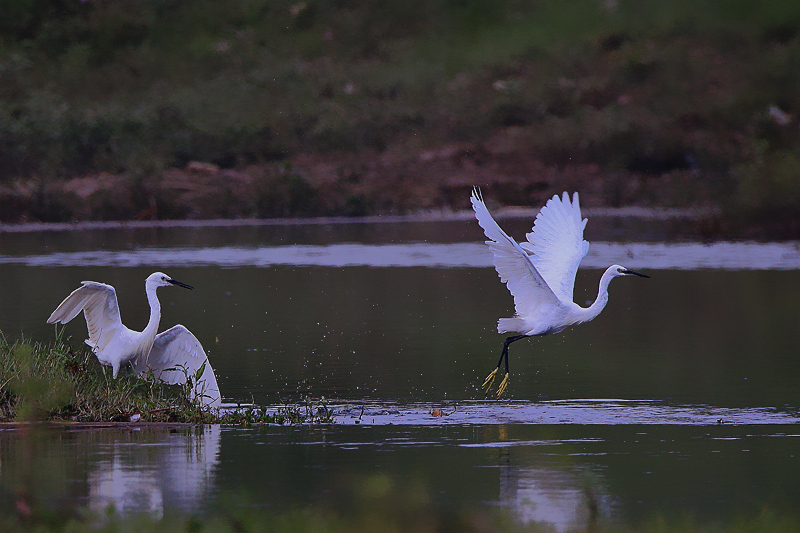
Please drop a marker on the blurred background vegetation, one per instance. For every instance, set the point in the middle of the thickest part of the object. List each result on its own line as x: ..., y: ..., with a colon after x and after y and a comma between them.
x: 174, y: 108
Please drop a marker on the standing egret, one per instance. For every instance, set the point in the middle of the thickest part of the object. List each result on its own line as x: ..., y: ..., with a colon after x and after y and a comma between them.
x: 540, y: 273
x: 171, y: 356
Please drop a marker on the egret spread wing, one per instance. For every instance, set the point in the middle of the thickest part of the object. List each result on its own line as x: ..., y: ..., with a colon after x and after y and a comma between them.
x: 176, y: 354
x: 557, y: 244
x: 513, y: 264
x: 98, y: 302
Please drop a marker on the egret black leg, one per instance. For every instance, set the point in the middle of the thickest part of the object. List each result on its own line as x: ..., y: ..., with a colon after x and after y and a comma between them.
x: 504, y: 355
x: 489, y: 381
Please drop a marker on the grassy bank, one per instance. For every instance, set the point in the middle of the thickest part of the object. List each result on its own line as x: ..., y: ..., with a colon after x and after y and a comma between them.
x: 54, y: 382
x: 173, y: 109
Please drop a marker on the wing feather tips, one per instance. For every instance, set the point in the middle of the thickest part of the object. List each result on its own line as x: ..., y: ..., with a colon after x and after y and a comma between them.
x: 178, y: 347
x: 576, y: 204
x: 485, y: 220
x: 476, y: 193
x: 62, y: 314
x: 84, y: 298
x: 70, y: 306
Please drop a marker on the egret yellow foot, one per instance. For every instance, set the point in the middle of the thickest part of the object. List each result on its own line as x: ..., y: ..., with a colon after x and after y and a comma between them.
x: 489, y: 381
x: 503, y: 386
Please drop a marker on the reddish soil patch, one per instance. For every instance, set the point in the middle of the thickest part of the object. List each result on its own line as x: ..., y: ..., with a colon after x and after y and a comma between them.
x: 402, y: 179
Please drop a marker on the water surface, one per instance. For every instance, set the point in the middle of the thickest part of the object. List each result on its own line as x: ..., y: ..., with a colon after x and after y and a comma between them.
x: 681, y: 396
x: 547, y: 473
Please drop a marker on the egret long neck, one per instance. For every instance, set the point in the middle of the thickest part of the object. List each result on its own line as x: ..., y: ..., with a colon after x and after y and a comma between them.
x: 150, y: 331
x: 602, y: 297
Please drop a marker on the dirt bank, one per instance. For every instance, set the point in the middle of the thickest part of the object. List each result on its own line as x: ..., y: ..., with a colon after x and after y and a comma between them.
x: 400, y: 180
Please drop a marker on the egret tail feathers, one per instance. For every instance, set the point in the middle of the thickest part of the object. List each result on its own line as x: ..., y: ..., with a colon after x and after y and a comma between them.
x: 511, y: 325
x: 205, y: 388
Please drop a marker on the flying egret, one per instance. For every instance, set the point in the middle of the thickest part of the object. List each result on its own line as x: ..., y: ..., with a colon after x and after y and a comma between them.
x: 171, y: 355
x: 540, y: 273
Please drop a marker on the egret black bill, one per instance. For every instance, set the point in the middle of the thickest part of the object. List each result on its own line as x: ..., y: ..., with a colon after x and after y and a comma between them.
x: 185, y: 286
x: 634, y: 273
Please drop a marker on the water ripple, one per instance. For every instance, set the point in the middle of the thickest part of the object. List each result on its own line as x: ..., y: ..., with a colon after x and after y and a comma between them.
x: 605, y: 412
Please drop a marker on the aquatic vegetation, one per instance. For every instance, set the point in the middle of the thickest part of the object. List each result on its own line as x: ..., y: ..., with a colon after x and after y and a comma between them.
x: 307, y: 411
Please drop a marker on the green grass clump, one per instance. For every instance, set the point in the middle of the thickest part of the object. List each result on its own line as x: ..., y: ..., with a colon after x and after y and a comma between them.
x: 54, y: 382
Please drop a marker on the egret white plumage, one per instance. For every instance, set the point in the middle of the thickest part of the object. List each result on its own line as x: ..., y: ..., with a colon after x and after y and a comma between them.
x: 171, y: 355
x: 540, y: 273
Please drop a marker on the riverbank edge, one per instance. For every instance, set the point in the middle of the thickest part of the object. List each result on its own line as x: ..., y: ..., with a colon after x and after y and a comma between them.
x: 643, y: 213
